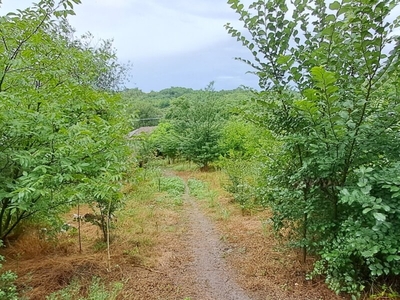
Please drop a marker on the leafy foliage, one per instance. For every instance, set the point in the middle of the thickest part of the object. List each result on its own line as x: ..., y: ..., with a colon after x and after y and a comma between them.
x: 166, y: 141
x: 197, y: 123
x: 189, y: 120
x: 330, y: 98
x: 60, y: 122
x: 8, y: 290
x: 243, y: 145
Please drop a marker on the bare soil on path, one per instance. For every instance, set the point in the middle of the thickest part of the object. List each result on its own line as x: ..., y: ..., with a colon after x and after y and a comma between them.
x: 213, y: 277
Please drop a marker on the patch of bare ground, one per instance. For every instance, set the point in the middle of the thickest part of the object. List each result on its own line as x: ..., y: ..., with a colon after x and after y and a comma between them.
x: 213, y: 276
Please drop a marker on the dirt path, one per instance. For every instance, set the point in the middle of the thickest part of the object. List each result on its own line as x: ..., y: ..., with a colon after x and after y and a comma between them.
x: 206, y: 272
x: 214, y: 279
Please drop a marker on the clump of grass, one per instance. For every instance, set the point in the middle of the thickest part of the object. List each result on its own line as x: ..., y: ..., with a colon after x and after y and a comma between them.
x: 225, y: 213
x: 199, y: 189
x: 134, y: 256
x: 185, y: 166
x: 97, y: 291
x: 386, y: 292
x: 172, y: 185
x: 266, y: 226
x: 202, y: 191
x: 173, y: 188
x: 99, y: 246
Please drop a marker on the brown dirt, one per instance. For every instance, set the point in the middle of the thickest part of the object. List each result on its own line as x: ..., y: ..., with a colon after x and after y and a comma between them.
x: 212, y: 275
x: 166, y: 251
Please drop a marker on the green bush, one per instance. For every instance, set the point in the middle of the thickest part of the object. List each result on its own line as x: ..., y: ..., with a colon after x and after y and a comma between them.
x: 330, y: 98
x: 8, y: 290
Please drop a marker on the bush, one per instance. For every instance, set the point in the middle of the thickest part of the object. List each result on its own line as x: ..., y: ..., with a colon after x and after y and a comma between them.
x: 8, y: 290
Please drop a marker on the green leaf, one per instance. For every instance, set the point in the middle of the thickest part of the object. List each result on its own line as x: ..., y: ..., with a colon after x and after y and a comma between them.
x: 366, y: 210
x: 335, y: 5
x: 324, y: 78
x: 283, y: 59
x: 370, y: 252
x: 391, y: 258
x: 330, y: 18
x: 379, y: 216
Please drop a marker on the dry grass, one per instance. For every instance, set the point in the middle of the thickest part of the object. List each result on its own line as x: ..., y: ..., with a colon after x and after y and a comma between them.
x: 148, y: 251
x: 145, y: 230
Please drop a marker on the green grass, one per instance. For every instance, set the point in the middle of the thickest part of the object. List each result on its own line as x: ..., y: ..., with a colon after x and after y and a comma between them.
x: 202, y: 191
x: 174, y: 186
x: 185, y: 166
x: 97, y: 291
x: 199, y: 189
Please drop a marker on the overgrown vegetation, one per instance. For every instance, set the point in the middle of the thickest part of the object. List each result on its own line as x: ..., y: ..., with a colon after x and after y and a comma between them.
x: 319, y: 145
x: 8, y: 289
x: 330, y: 100
x: 61, y: 122
x: 192, y: 124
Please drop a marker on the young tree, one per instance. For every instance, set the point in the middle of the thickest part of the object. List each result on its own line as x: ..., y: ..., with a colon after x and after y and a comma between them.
x: 61, y: 125
x: 198, y: 123
x: 165, y: 141
x: 329, y: 74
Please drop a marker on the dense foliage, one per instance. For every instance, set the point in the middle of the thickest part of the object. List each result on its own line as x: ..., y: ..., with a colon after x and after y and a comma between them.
x: 319, y: 145
x: 61, y: 126
x: 191, y: 123
x: 331, y: 100
x: 197, y: 124
x: 147, y: 109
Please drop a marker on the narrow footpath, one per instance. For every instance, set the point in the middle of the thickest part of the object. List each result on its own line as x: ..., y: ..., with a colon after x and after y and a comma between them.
x: 213, y: 276
x: 206, y: 272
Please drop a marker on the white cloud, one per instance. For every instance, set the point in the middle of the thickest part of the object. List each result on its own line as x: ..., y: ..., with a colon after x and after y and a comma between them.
x: 169, y: 42
x: 144, y: 30
x: 152, y: 28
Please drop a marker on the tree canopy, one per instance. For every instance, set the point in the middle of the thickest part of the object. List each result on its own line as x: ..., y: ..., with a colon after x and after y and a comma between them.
x: 61, y: 122
x: 330, y: 98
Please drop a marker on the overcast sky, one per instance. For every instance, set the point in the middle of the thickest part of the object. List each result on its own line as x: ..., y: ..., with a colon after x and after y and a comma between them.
x: 168, y: 42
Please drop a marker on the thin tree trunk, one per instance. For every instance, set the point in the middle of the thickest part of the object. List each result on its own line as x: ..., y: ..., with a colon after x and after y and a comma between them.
x: 305, y: 221
x: 79, y: 228
x: 305, y: 237
x: 108, y: 235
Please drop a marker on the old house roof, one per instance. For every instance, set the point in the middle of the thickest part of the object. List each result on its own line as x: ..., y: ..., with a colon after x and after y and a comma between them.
x: 146, y: 130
